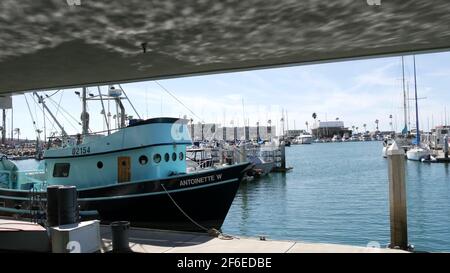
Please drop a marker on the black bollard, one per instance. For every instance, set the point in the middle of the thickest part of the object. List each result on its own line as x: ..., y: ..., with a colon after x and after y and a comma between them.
x: 67, y: 205
x: 52, y: 205
x: 120, y: 233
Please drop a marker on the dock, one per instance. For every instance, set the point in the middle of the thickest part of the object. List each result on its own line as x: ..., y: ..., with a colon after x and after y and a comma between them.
x: 30, y: 237
x: 163, y: 241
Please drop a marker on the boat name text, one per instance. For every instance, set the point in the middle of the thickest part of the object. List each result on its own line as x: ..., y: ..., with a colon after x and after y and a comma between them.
x: 200, y: 180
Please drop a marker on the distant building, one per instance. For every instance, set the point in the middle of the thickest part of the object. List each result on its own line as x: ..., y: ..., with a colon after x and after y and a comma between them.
x: 327, y: 129
x: 294, y: 133
x: 210, y: 131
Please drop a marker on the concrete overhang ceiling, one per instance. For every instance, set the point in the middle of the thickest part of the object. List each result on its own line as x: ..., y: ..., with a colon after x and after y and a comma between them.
x: 57, y: 43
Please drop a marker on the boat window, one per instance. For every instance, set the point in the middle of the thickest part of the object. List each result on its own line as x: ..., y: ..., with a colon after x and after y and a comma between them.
x: 61, y: 170
x: 181, y: 155
x: 143, y: 159
x: 174, y: 156
x: 99, y: 164
x: 167, y: 157
x: 157, y: 158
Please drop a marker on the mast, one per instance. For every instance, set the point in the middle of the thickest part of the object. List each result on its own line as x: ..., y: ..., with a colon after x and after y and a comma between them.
x: 4, y: 127
x: 417, y: 108
x: 12, y: 124
x: 41, y: 100
x: 405, y: 129
x: 84, y: 114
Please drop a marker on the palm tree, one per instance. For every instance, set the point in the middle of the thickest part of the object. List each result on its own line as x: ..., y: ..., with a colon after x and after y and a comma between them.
x: 314, y: 116
x: 337, y: 119
x: 17, y: 132
x: 365, y: 125
x: 306, y: 123
x: 376, y: 122
x: 357, y: 129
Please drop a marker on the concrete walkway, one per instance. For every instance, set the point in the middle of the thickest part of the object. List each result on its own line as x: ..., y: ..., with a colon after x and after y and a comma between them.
x: 159, y: 241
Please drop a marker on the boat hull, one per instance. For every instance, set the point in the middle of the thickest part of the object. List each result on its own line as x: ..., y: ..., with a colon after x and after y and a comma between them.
x: 417, y: 154
x: 205, y: 197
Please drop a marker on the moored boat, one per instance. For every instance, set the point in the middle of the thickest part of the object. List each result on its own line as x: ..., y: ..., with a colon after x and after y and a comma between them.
x: 137, y: 173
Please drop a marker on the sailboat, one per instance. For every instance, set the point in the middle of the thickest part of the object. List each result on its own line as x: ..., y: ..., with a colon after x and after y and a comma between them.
x: 137, y: 173
x: 402, y: 142
x: 417, y: 152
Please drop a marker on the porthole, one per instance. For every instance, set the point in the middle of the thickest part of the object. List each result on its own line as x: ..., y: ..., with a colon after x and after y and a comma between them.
x: 143, y: 159
x: 174, y: 156
x: 181, y: 155
x: 99, y: 164
x: 167, y: 157
x: 157, y: 158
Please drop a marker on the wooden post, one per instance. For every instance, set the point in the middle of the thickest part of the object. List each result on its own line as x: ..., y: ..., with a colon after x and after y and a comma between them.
x: 397, y: 197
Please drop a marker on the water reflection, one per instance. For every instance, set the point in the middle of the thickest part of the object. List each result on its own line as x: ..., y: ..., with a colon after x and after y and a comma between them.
x: 338, y: 193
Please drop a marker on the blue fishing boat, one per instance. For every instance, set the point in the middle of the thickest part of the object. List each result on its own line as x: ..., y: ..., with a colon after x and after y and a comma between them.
x: 136, y: 173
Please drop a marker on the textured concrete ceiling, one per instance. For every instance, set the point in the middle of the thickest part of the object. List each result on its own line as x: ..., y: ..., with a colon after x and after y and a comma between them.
x: 49, y: 44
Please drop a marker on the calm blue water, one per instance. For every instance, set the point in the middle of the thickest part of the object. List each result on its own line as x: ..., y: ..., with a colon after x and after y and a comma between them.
x: 338, y: 193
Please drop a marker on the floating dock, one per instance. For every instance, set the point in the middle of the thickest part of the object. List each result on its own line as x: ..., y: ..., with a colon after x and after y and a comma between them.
x: 30, y: 237
x: 162, y: 241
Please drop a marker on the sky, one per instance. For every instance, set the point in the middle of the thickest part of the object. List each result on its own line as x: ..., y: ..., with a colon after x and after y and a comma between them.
x: 357, y: 92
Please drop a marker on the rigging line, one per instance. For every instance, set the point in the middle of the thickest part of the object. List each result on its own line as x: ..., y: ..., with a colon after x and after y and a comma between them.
x: 57, y: 111
x: 31, y: 115
x: 54, y: 93
x: 130, y: 102
x: 65, y: 111
x: 179, y: 101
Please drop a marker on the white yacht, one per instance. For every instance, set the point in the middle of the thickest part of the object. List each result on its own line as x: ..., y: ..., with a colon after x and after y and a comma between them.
x: 418, y: 153
x: 304, y: 138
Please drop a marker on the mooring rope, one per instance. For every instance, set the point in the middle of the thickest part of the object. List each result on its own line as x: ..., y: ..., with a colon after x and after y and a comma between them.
x: 212, y: 231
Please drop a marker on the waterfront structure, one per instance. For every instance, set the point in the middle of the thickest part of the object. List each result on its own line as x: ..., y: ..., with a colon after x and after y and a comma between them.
x: 215, y: 131
x: 328, y: 129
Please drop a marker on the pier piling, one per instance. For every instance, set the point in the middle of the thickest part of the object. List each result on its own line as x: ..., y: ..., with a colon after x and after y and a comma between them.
x: 397, y: 198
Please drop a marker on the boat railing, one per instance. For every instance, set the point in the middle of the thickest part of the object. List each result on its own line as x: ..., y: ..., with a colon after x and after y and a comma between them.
x: 64, y: 140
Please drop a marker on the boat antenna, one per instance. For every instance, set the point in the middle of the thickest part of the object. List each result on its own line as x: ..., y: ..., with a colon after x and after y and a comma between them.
x: 132, y: 106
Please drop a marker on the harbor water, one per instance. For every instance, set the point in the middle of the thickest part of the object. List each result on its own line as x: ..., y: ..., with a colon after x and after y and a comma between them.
x: 338, y: 193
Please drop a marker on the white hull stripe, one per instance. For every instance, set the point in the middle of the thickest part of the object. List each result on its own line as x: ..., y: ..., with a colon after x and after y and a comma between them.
x: 130, y: 195
x: 159, y: 192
